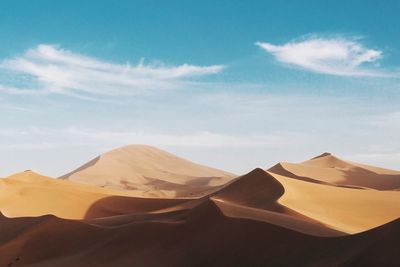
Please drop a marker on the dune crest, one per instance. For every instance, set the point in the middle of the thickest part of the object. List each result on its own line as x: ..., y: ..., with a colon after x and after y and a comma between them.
x: 256, y: 196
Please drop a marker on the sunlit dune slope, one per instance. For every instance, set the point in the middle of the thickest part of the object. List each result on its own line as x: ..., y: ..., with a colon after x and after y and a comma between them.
x: 31, y: 194
x: 346, y: 209
x: 149, y: 171
x: 329, y: 169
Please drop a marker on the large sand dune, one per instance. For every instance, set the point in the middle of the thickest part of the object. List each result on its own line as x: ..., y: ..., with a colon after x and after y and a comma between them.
x: 149, y: 172
x: 306, y: 216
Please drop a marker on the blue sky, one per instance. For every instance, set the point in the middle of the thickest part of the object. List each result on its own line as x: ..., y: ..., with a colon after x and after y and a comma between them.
x: 232, y: 84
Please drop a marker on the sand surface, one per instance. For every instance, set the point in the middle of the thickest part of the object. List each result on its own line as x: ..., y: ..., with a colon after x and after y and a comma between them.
x: 345, y: 209
x: 31, y: 194
x: 316, y: 213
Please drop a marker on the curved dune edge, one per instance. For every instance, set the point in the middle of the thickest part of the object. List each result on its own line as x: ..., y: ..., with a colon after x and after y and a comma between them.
x: 345, y: 209
x: 331, y: 170
x: 312, y: 205
x: 256, y: 196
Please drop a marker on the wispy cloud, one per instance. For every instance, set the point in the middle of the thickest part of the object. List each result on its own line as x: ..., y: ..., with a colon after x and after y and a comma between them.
x: 336, y: 56
x: 55, y: 70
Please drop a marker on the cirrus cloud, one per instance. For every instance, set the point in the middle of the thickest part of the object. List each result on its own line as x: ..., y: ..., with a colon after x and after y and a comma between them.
x: 55, y: 70
x: 336, y: 56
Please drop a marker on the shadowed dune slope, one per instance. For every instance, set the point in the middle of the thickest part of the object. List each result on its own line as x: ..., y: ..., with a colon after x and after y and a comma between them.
x: 255, y: 196
x: 256, y: 189
x: 328, y: 169
x: 203, y: 237
x: 149, y: 171
x: 30, y: 194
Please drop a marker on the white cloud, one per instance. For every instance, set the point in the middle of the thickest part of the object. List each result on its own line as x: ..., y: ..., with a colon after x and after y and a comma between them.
x: 55, y: 70
x: 335, y: 56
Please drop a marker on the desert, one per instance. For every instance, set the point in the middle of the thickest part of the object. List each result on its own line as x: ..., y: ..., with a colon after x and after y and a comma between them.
x: 199, y: 133
x: 198, y: 216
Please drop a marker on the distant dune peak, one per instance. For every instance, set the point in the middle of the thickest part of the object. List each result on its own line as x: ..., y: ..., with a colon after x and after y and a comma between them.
x: 148, y: 170
x: 330, y: 169
x: 325, y: 154
x: 28, y: 175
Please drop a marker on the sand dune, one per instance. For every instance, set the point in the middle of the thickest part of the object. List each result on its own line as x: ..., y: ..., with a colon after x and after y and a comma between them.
x: 30, y: 194
x: 345, y: 209
x: 151, y: 172
x: 322, y: 212
x: 255, y: 196
x: 328, y: 169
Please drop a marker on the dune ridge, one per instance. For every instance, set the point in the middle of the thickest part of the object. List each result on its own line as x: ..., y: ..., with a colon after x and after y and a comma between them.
x: 329, y: 169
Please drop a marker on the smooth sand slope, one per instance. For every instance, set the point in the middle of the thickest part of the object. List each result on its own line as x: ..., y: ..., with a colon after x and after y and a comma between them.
x: 325, y: 188
x: 151, y: 172
x: 345, y: 209
x: 30, y: 194
x: 329, y: 169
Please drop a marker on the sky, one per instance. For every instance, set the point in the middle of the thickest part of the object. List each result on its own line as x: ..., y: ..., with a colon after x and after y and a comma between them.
x: 230, y: 84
